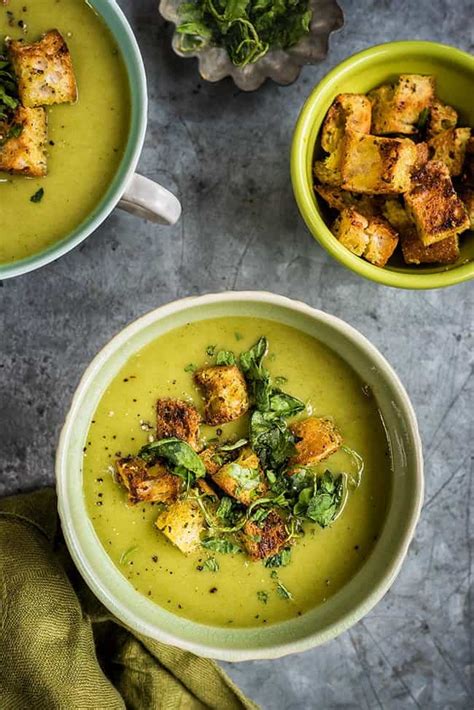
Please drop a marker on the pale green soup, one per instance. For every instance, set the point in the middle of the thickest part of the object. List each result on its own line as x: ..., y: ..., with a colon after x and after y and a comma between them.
x: 86, y: 139
x: 322, y: 561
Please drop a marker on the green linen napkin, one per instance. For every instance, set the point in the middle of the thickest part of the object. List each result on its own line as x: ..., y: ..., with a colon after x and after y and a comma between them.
x: 60, y: 648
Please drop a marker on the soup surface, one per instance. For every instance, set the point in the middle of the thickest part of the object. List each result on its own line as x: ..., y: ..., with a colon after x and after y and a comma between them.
x: 86, y: 139
x: 242, y: 592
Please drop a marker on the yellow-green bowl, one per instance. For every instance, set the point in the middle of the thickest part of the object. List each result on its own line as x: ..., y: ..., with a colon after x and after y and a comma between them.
x: 454, y: 72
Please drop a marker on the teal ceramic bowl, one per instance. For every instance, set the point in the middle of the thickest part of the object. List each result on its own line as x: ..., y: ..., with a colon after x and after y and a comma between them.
x: 136, y: 194
x: 322, y: 623
x: 454, y: 72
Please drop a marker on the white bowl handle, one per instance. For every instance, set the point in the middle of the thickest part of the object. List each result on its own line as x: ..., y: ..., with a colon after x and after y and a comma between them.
x: 145, y: 198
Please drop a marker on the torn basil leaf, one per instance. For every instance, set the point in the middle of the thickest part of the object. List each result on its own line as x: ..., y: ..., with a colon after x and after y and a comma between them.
x: 220, y: 544
x: 225, y: 357
x: 183, y: 460
x: 279, y: 560
x: 271, y: 439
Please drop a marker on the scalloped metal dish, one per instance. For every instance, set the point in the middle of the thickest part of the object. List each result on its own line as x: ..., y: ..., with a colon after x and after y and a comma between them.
x: 283, y: 66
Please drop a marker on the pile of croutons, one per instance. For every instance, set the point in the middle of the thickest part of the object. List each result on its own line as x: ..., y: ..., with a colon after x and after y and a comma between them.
x: 45, y: 76
x: 390, y: 188
x: 182, y: 520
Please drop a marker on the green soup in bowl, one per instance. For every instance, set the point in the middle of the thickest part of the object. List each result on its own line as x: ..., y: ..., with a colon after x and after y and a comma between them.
x: 92, y: 144
x: 240, y: 610
x: 454, y: 74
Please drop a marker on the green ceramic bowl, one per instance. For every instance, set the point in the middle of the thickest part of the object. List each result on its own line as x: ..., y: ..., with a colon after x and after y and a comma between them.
x: 454, y: 72
x: 323, y: 622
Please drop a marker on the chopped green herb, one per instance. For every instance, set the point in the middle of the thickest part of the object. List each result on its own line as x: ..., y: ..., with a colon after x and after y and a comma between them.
x: 184, y: 460
x: 38, y: 196
x: 190, y: 368
x: 321, y: 500
x: 247, y: 30
x: 423, y: 118
x: 124, y: 557
x: 283, y: 592
x: 210, y: 350
x: 280, y: 560
x: 238, y: 336
x: 280, y: 380
x: 225, y: 357
x: 262, y: 597
x: 211, y: 564
x: 220, y: 544
x: 247, y: 478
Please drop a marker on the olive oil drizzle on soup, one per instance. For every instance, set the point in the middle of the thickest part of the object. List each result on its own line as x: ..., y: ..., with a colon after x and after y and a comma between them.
x: 86, y: 139
x: 241, y: 593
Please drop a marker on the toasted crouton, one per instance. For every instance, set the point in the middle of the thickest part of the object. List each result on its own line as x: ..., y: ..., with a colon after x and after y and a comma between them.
x: 370, y: 237
x: 147, y: 483
x: 211, y: 459
x: 242, y: 479
x: 467, y: 196
x: 182, y: 523
x: 178, y: 419
x: 396, y: 215
x: 442, y: 118
x: 375, y: 165
x: 396, y: 108
x: 339, y: 199
x: 415, y: 252
x: 348, y: 111
x: 328, y: 170
x: 450, y: 147
x: 44, y: 71
x: 433, y: 205
x: 317, y: 438
x: 267, y: 539
x: 24, y: 148
x: 225, y: 393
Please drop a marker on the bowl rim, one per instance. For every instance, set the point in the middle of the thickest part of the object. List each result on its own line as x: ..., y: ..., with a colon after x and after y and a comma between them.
x: 135, y: 70
x: 270, y: 650
x: 304, y: 193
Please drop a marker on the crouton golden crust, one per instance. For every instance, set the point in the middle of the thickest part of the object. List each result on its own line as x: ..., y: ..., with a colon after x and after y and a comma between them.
x: 370, y: 237
x: 397, y: 108
x: 415, y: 252
x: 178, y: 419
x: 442, y: 118
x: 397, y: 216
x: 228, y: 478
x: 182, y: 523
x: 225, y: 393
x: 147, y: 484
x: 375, y: 165
x: 328, y: 170
x: 339, y: 199
x: 211, y: 460
x: 433, y: 204
x: 467, y: 196
x: 26, y: 153
x: 265, y: 541
x: 44, y: 70
x: 450, y: 147
x: 348, y: 112
x: 318, y: 439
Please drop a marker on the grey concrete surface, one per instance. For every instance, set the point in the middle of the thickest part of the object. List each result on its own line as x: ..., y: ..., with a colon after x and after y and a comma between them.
x: 226, y: 155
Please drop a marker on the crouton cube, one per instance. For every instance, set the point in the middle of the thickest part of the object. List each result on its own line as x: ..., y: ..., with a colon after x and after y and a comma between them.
x: 23, y: 146
x: 175, y: 418
x: 242, y: 479
x: 328, y: 170
x: 370, y: 237
x: 375, y: 165
x: 182, y: 523
x: 147, y: 484
x: 348, y: 111
x: 422, y: 154
x: 442, y: 118
x: 450, y: 147
x: 396, y: 215
x: 44, y: 71
x: 265, y: 539
x: 396, y: 108
x: 317, y: 438
x: 339, y: 199
x: 467, y: 196
x: 211, y: 459
x: 225, y: 393
x: 433, y: 205
x: 415, y: 252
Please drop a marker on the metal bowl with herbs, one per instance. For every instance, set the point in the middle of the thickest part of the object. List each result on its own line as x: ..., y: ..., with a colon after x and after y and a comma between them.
x: 252, y: 40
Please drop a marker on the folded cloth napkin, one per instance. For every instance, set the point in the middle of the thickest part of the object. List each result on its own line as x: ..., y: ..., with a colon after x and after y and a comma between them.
x: 60, y: 648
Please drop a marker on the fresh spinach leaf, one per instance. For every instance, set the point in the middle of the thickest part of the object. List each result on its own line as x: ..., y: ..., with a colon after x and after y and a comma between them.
x: 211, y: 564
x: 183, y: 459
x: 232, y: 447
x: 225, y: 357
x: 220, y: 544
x: 321, y: 502
x: 279, y: 560
x: 271, y: 439
x: 262, y: 597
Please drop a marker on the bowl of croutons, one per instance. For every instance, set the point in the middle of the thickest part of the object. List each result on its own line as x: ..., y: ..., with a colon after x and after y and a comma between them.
x: 382, y: 164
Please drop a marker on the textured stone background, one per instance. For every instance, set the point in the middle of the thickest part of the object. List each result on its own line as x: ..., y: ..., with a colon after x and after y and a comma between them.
x: 226, y: 155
